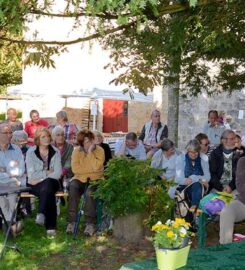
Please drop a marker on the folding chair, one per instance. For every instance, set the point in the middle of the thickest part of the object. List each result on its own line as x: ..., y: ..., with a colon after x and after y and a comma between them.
x: 182, y: 206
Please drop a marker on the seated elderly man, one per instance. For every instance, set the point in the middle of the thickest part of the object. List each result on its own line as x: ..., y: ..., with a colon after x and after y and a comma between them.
x: 12, y: 120
x: 153, y: 133
x: 12, y: 169
x: 130, y: 147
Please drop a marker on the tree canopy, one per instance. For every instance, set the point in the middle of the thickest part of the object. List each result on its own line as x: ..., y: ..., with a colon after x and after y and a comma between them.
x: 149, y: 39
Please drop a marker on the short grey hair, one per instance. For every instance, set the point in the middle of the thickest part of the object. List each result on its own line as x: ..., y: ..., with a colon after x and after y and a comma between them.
x: 131, y: 136
x: 155, y: 111
x: 193, y: 145
x: 166, y: 145
x: 56, y: 130
x: 62, y: 114
x: 226, y: 132
x: 19, y: 135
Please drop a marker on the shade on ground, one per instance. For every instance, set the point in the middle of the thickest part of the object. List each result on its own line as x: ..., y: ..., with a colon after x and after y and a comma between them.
x: 222, y: 257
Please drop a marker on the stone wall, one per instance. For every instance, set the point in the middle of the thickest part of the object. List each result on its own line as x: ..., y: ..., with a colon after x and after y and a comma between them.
x: 193, y: 113
x: 138, y: 114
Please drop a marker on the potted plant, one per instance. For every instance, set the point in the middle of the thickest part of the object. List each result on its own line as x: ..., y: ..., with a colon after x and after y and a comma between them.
x: 171, y: 243
x: 125, y: 195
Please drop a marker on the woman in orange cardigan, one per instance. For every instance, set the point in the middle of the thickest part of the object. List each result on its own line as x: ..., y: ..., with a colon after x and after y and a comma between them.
x: 87, y: 165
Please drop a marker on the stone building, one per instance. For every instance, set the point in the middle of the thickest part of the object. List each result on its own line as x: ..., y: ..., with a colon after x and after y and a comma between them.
x: 193, y: 113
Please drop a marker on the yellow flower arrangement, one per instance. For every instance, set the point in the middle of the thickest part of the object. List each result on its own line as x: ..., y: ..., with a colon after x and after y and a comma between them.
x: 171, y: 234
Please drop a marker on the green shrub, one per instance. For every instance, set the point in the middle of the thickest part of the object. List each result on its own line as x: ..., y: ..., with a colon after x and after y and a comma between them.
x: 2, y: 116
x: 19, y: 115
x: 128, y: 188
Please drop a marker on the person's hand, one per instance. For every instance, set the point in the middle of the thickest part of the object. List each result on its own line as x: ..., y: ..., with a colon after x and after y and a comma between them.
x: 205, y: 183
x: 35, y: 182
x: 91, y: 148
x: 156, y: 145
x: 147, y: 147
x: 188, y: 181
x: 14, y: 163
x: 227, y: 189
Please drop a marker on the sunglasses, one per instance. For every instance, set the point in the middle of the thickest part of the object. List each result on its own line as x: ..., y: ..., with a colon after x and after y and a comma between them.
x: 205, y: 144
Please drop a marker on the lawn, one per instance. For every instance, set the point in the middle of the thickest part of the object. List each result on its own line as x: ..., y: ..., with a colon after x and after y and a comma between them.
x: 85, y: 253
x: 62, y: 252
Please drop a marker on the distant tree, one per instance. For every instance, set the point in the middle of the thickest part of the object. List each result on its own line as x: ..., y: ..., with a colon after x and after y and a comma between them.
x: 10, y: 66
x: 149, y: 39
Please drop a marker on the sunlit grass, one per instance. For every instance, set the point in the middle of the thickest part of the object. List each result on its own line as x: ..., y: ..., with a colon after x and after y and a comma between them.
x: 40, y: 252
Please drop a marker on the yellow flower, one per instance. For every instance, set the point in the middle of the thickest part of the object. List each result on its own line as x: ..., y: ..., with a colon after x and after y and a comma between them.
x: 182, y: 235
x: 164, y: 227
x: 170, y: 234
x: 156, y: 227
x: 175, y: 225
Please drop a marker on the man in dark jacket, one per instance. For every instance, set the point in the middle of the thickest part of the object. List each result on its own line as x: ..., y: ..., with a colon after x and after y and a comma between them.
x: 153, y: 133
x: 222, y: 164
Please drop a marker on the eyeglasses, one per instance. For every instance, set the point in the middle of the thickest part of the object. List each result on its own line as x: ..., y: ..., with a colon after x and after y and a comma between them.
x: 229, y: 139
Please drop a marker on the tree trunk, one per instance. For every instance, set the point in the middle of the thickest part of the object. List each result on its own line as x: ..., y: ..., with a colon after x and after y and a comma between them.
x: 170, y: 93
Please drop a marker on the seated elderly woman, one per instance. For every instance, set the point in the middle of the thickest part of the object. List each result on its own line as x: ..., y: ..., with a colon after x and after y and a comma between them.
x: 70, y: 129
x: 20, y: 138
x: 65, y: 148
x: 43, y: 163
x: 99, y: 141
x: 192, y: 171
x: 87, y: 165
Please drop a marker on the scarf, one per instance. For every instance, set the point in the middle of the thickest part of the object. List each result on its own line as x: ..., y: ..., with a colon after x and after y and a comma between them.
x: 191, y: 169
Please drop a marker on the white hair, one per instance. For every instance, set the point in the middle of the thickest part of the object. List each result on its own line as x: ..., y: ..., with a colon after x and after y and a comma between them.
x: 19, y: 135
x: 56, y: 130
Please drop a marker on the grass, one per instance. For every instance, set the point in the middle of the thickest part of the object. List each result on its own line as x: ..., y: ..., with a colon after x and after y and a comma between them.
x: 62, y: 252
x: 39, y: 252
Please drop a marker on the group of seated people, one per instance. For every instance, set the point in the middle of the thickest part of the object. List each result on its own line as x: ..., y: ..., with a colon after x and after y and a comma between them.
x: 50, y: 155
x: 195, y: 171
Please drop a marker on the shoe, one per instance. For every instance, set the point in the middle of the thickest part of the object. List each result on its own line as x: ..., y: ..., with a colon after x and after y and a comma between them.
x: 89, y: 229
x: 17, y: 228
x: 51, y: 233
x: 40, y: 219
x: 70, y: 228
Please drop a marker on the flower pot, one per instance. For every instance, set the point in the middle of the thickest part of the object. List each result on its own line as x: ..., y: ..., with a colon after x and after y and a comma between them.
x: 171, y: 259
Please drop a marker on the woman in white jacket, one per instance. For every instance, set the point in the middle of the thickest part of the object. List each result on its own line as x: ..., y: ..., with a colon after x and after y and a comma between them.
x: 43, y: 164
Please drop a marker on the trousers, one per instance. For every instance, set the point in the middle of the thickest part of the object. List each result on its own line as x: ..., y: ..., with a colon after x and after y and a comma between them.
x: 76, y: 190
x: 233, y: 212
